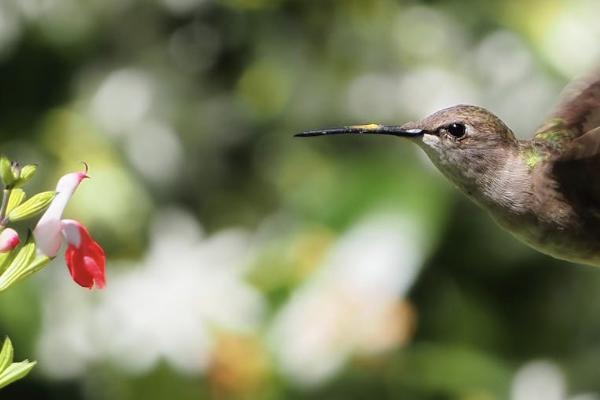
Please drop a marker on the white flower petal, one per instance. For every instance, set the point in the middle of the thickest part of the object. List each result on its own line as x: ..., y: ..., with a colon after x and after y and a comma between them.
x: 71, y: 231
x: 47, y: 233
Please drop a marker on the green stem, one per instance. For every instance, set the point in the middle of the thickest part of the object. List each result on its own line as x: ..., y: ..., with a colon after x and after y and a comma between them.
x: 5, y: 197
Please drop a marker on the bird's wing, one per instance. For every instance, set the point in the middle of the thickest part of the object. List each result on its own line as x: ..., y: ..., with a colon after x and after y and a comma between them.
x: 573, y: 134
x: 577, y: 113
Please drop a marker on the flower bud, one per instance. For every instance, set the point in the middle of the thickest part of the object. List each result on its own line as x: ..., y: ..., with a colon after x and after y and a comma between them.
x: 9, y: 239
x: 6, y: 173
x: 15, y: 169
x: 25, y: 174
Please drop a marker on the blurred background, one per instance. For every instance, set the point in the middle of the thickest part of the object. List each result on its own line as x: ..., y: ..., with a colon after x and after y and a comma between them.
x: 246, y: 264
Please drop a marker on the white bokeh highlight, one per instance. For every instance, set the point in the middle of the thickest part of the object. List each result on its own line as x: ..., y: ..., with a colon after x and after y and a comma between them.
x: 156, y: 152
x: 342, y: 309
x: 543, y: 380
x: 571, y: 40
x: 122, y: 100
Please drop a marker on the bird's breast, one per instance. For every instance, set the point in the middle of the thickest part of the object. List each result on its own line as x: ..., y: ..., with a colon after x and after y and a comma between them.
x: 572, y: 240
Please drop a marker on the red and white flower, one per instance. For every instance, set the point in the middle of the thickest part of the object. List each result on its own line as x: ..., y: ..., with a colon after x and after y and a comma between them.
x: 84, y: 256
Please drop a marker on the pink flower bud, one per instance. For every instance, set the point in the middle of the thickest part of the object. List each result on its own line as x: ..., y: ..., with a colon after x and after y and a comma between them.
x: 9, y: 239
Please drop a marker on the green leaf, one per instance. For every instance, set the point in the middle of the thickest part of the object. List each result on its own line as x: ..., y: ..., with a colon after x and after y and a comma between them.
x: 32, y: 206
x: 6, y: 173
x: 15, y: 371
x: 16, y: 198
x: 6, y: 354
x: 18, y: 267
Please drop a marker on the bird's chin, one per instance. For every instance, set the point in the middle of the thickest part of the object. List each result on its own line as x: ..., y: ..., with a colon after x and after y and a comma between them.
x: 429, y: 142
x: 430, y: 139
x: 432, y: 146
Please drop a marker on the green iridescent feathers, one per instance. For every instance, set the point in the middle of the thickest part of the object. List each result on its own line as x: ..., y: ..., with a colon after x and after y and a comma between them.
x: 577, y: 113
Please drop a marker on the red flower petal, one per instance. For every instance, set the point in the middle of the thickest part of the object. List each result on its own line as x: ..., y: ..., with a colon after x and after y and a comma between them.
x: 86, y: 261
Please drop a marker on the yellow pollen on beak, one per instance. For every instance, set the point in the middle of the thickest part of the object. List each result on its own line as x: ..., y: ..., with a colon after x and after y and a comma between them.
x: 367, y: 127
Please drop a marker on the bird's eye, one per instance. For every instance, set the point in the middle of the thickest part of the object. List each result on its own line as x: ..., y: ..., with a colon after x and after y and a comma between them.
x: 457, y: 130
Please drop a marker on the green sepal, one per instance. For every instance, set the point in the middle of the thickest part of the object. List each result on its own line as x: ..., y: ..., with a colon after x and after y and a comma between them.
x: 37, y: 264
x: 26, y: 174
x: 5, y: 259
x: 15, y: 371
x: 19, y: 267
x: 32, y: 206
x: 6, y: 354
x: 9, y: 371
x: 16, y: 198
x: 15, y: 168
x: 6, y: 173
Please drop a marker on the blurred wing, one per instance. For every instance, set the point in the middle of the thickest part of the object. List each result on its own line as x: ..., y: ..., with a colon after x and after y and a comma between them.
x: 573, y: 133
x: 576, y: 172
x: 577, y: 113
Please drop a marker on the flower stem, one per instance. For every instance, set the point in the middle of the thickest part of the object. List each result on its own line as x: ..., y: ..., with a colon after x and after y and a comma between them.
x: 5, y: 197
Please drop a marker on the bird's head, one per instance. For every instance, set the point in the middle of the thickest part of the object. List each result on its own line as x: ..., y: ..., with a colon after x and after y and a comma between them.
x: 464, y: 142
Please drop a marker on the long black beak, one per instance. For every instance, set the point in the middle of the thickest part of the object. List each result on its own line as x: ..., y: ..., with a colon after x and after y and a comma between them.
x: 370, y: 129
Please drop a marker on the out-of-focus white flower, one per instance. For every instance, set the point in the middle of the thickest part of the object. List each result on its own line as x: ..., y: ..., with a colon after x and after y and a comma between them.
x: 122, y: 100
x: 539, y: 380
x: 570, y: 37
x: 155, y: 150
x: 349, y: 306
x: 370, y: 98
x: 511, y: 84
x: 449, y: 88
x: 543, y: 380
x: 164, y: 307
x: 440, y: 38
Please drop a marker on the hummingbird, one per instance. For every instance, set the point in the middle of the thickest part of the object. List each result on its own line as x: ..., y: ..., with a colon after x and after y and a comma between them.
x: 544, y: 190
